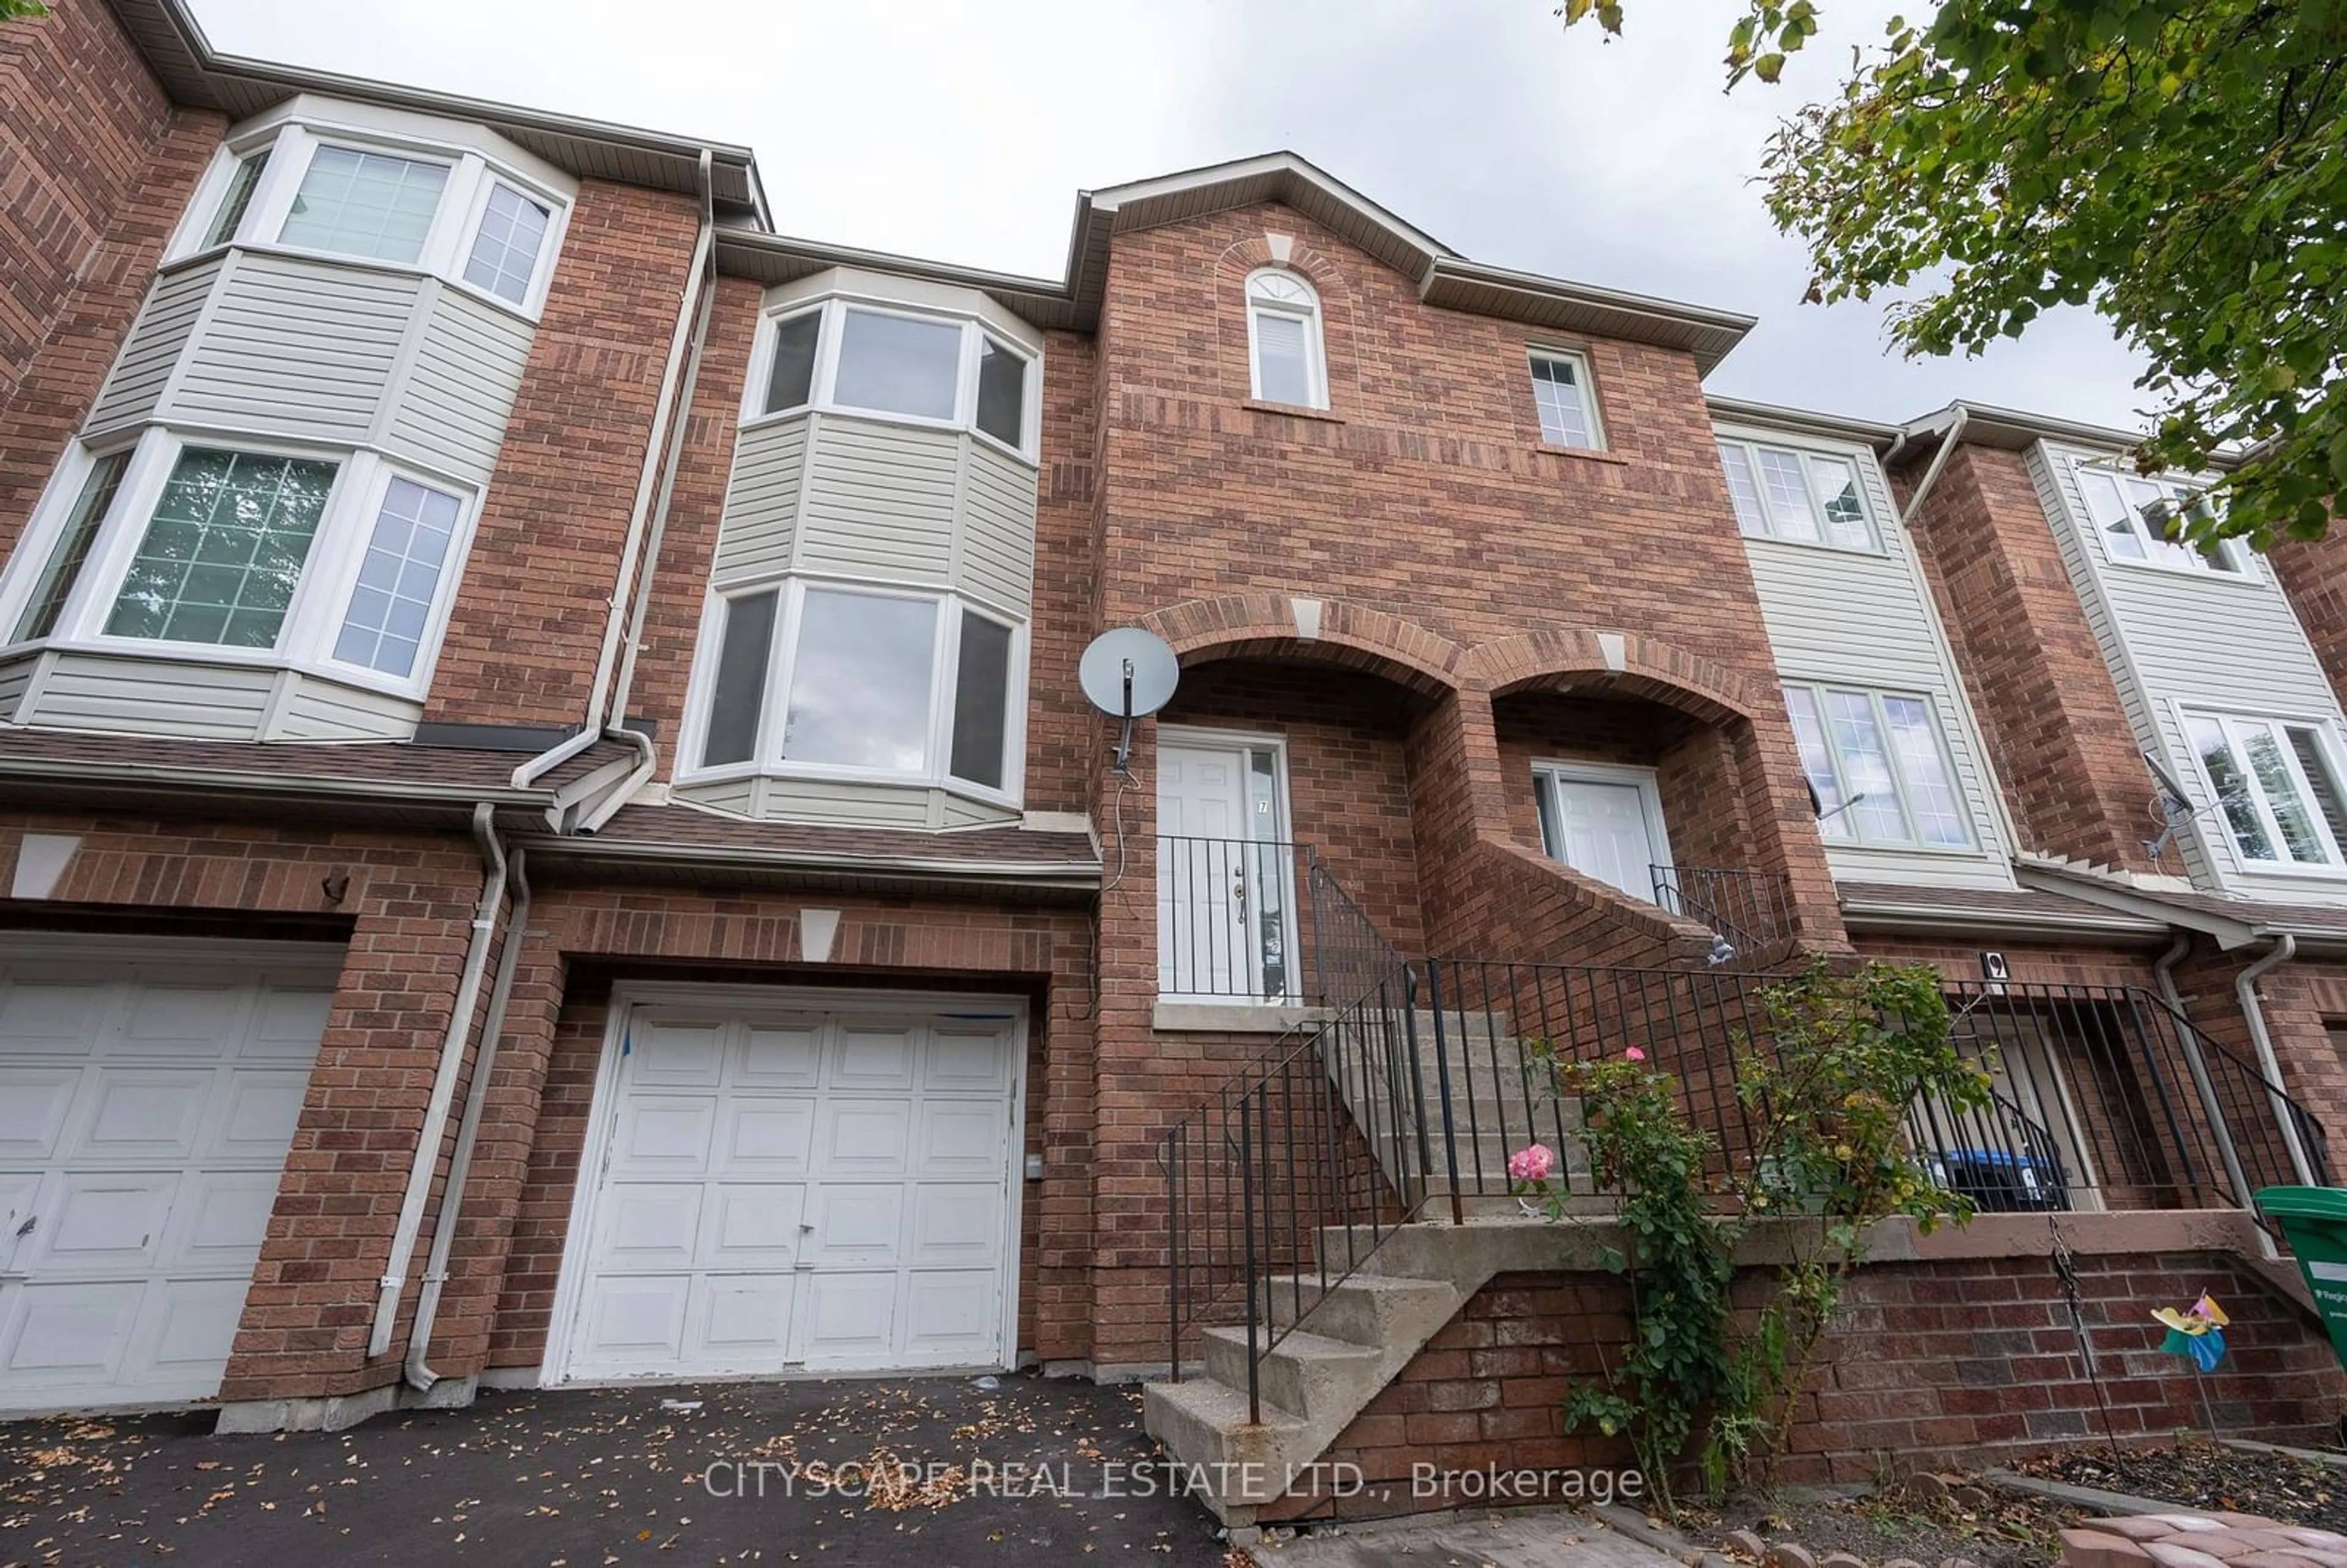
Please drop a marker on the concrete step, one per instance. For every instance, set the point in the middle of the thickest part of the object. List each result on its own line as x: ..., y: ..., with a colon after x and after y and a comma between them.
x: 1373, y: 1310
x: 1203, y: 1421
x: 1303, y: 1373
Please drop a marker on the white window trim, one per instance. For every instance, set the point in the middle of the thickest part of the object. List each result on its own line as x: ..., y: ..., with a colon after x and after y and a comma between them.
x: 448, y: 243
x: 1316, y: 347
x: 2155, y: 558
x: 1584, y: 385
x: 781, y: 655
x: 841, y: 292
x: 1549, y: 771
x: 1967, y: 806
x: 1862, y: 463
x: 313, y: 619
x: 2219, y: 826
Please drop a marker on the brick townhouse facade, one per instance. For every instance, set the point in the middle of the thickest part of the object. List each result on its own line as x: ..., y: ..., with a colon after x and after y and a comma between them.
x: 554, y: 834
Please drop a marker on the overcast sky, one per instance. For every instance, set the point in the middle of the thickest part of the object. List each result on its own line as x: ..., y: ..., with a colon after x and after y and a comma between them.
x: 963, y: 132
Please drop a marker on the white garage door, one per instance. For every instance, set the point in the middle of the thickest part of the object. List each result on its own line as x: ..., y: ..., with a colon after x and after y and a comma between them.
x: 144, y: 1113
x: 826, y: 1191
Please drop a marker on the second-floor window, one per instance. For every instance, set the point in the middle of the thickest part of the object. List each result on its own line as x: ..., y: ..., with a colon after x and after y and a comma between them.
x: 2135, y: 514
x: 1568, y: 413
x: 1809, y: 497
x: 2276, y: 785
x: 831, y: 680
x: 334, y: 561
x: 1879, y: 767
x: 321, y: 192
x: 900, y: 364
x: 1287, y: 360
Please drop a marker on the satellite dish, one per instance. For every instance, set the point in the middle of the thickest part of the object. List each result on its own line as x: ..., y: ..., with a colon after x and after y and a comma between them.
x: 1128, y: 673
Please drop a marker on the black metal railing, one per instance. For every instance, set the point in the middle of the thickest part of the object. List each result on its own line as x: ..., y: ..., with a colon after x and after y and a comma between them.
x: 1751, y: 912
x: 1407, y: 1100
x: 1230, y: 919
x: 1261, y: 921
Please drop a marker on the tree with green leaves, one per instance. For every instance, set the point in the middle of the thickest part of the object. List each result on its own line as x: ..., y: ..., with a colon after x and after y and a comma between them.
x: 11, y: 10
x: 2179, y: 166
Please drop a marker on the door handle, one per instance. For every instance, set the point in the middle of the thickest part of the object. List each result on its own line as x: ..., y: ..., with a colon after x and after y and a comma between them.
x: 26, y: 1228
x: 1238, y: 895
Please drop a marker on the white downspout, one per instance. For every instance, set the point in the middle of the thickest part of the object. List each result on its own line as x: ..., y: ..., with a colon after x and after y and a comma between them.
x: 443, y: 1083
x: 599, y: 719
x: 648, y: 758
x: 2162, y: 973
x: 2245, y: 986
x: 419, y: 1375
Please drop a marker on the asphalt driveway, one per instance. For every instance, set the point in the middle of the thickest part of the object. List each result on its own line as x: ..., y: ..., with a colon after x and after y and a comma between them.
x: 940, y: 1472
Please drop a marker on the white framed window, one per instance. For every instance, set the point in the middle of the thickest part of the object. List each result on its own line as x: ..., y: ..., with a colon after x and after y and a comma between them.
x: 878, y: 359
x: 1878, y: 764
x: 1567, y: 400
x: 2132, y: 516
x: 817, y: 678
x: 2276, y: 784
x: 195, y: 547
x: 1807, y: 497
x: 389, y: 189
x: 1287, y: 360
x: 355, y: 202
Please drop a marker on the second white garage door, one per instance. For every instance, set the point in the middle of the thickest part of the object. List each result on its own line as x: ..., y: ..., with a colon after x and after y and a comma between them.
x: 772, y: 1188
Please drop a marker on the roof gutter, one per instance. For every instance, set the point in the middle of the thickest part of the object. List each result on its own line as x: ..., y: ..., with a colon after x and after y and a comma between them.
x: 2245, y: 986
x: 44, y: 770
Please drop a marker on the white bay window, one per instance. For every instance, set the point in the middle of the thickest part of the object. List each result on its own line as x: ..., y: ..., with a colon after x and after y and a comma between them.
x: 382, y: 192
x: 825, y: 679
x: 897, y: 363
x: 197, y: 547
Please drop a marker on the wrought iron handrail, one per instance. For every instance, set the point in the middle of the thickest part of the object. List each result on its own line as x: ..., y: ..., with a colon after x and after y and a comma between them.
x: 1750, y: 911
x: 1413, y: 1093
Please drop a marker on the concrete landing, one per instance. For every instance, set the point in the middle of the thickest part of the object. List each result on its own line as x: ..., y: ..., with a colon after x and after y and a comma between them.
x: 1539, y: 1539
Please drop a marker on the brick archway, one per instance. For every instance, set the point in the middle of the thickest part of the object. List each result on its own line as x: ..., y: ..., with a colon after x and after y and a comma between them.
x: 1578, y: 658
x: 1321, y: 631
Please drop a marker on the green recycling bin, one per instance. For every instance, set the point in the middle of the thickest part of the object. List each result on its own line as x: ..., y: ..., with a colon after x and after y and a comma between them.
x: 2315, y: 1221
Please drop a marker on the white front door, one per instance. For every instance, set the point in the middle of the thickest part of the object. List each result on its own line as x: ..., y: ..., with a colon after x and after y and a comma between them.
x: 1227, y: 880
x: 145, y: 1114
x: 1603, y: 828
x: 783, y: 1190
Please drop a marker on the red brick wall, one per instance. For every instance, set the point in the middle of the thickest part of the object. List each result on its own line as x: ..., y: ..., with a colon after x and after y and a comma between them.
x: 529, y: 616
x: 96, y: 167
x: 2313, y: 573
x: 2046, y: 703
x: 1949, y: 1363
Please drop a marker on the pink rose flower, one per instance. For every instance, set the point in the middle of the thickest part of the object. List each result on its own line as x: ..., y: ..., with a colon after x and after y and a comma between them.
x: 1531, y: 1164
x: 1635, y: 1054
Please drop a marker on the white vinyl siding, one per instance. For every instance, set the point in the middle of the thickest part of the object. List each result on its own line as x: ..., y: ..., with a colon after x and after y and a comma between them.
x: 880, y: 501
x: 296, y: 348
x: 762, y: 500
x: 2179, y: 642
x: 1865, y: 620
x: 450, y: 413
x: 152, y: 352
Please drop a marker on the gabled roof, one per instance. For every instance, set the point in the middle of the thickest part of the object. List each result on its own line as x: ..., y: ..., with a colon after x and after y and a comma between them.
x: 1444, y: 278
x: 196, y: 74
